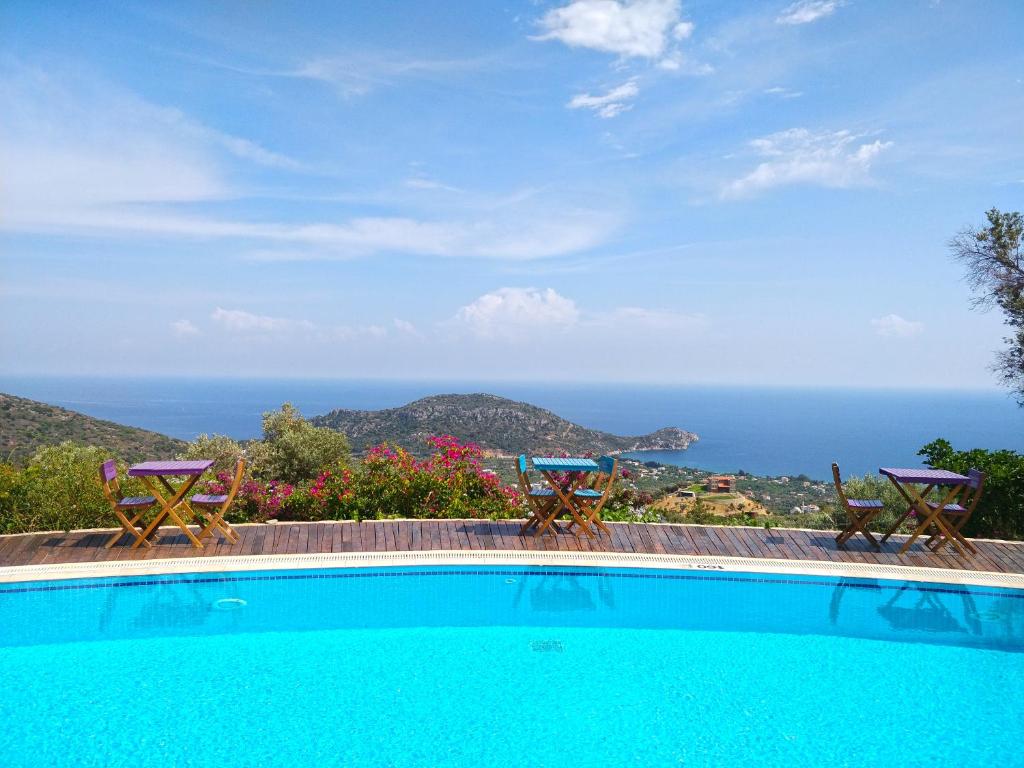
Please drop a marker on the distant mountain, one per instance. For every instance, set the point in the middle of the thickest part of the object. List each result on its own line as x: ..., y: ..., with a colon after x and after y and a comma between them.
x: 497, y: 424
x: 25, y: 425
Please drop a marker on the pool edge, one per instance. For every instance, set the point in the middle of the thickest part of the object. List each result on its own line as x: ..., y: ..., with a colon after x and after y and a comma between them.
x: 57, y: 572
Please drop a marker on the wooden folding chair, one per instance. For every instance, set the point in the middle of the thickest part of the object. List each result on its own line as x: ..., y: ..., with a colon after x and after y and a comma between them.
x: 544, y: 505
x: 596, y: 496
x: 956, y: 515
x: 860, y: 513
x: 123, y: 506
x: 210, y: 509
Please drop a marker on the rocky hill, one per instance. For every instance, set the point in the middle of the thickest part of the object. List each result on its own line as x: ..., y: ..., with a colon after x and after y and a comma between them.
x: 497, y: 424
x: 25, y: 425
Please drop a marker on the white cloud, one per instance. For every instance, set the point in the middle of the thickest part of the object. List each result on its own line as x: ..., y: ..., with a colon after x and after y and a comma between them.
x: 184, y: 328
x: 511, y: 313
x: 629, y: 28
x: 683, y: 30
x: 82, y: 158
x: 895, y: 326
x: 420, y: 182
x: 358, y: 74
x: 515, y: 314
x: 677, y: 62
x: 72, y: 146
x: 654, y: 319
x: 240, y: 321
x: 836, y: 159
x: 407, y: 328
x: 806, y: 11
x: 610, y: 104
x: 783, y: 93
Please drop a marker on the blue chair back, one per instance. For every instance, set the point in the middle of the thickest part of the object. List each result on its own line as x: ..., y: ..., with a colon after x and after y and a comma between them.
x: 606, y: 464
x: 521, y: 463
x: 976, y: 477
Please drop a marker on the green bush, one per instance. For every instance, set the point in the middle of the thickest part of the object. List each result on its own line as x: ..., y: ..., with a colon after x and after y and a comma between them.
x: 1000, y: 513
x: 293, y: 450
x: 224, y: 451
x: 13, y: 499
x: 60, y: 490
x: 871, y: 487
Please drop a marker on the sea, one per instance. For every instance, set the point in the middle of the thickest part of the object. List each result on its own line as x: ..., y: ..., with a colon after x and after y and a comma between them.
x: 760, y: 430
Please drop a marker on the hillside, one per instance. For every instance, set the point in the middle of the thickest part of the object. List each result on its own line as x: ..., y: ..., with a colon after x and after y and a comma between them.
x: 25, y: 425
x: 497, y: 424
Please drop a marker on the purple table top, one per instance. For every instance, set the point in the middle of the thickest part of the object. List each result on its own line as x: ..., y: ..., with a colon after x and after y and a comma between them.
x: 170, y: 468
x: 924, y: 476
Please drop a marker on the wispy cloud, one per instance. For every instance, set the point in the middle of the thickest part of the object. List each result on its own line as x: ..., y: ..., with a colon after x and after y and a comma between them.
x: 85, y: 158
x: 836, y: 159
x: 783, y: 93
x: 513, y: 314
x: 895, y: 326
x: 421, y: 182
x: 654, y: 320
x: 806, y: 11
x: 239, y: 320
x: 614, y: 102
x: 184, y: 328
x: 629, y: 28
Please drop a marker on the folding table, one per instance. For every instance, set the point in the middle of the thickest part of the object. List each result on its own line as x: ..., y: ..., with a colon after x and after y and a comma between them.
x: 575, y: 473
x: 154, y: 474
x: 914, y: 486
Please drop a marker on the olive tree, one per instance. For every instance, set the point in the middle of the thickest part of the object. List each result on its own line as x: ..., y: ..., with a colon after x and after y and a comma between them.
x: 995, y: 270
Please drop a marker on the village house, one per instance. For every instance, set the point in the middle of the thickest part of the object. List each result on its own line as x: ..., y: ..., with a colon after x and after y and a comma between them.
x: 720, y: 484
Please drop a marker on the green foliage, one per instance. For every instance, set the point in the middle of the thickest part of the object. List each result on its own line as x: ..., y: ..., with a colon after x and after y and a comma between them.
x: 58, y: 490
x: 13, y: 499
x: 870, y: 487
x: 224, y: 451
x: 1000, y: 512
x: 391, y: 483
x: 293, y: 450
x: 994, y: 257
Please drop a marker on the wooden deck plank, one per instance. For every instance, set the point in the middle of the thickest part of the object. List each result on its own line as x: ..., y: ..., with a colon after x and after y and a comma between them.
x: 421, y: 535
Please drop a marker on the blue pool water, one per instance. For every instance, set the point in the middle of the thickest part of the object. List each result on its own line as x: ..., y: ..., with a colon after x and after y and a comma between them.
x: 509, y: 666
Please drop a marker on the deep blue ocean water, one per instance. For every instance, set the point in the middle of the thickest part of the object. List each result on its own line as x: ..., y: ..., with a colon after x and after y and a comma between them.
x: 766, y: 431
x: 509, y: 667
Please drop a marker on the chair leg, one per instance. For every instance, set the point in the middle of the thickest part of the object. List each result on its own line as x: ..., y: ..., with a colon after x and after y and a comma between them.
x: 127, y: 526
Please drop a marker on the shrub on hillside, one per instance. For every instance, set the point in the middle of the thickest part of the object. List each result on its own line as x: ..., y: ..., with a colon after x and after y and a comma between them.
x: 1000, y: 512
x: 293, y: 450
x: 391, y: 483
x: 870, y: 487
x: 224, y: 451
x: 59, y: 490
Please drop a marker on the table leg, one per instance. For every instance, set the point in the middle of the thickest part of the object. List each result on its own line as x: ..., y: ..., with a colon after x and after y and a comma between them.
x: 567, y: 500
x: 908, y: 513
x: 931, y: 517
x: 168, y: 506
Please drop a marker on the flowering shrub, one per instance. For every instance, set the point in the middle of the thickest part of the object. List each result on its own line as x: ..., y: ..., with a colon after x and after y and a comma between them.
x: 255, y: 500
x: 392, y: 483
x: 627, y: 505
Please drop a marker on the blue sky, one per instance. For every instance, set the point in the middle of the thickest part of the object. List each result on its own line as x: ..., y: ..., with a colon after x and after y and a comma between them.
x: 697, y: 192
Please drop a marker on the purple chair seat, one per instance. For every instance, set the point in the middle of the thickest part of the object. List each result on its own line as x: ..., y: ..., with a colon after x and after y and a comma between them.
x: 950, y: 509
x: 865, y: 503
x: 205, y: 498
x: 136, y: 501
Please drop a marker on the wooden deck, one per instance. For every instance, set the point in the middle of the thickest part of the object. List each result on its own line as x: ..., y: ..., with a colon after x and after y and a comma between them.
x: 419, y: 535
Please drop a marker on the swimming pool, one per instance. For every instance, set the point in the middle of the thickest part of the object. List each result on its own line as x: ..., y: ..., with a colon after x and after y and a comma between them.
x: 508, y: 666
